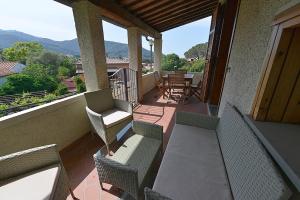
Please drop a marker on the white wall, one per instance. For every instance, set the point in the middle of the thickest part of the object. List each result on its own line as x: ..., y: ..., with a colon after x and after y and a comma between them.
x: 250, y: 43
x: 148, y: 82
x: 60, y: 122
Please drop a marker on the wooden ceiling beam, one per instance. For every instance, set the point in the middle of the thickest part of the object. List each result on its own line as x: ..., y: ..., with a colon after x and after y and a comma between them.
x: 156, y: 7
x: 114, y: 9
x: 182, y: 22
x: 177, y: 15
x: 183, y: 16
x: 166, y: 11
x: 127, y: 2
x: 182, y: 9
x: 140, y: 4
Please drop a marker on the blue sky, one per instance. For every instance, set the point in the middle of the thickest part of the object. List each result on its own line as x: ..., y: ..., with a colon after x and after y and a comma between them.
x: 49, y: 19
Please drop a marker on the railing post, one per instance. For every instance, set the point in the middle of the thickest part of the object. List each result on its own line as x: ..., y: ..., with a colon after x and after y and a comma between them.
x: 125, y: 83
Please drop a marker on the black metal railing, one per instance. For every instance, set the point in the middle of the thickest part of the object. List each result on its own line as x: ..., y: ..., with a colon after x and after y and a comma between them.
x: 124, y: 85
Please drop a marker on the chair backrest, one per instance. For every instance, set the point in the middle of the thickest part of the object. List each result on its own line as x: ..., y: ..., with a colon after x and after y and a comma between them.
x: 197, y: 79
x: 176, y: 79
x: 22, y: 162
x: 156, y: 76
x: 100, y: 100
x: 181, y: 71
x: 251, y: 172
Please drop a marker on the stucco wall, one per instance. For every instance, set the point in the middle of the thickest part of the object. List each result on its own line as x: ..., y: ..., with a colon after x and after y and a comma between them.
x: 252, y: 34
x: 148, y: 82
x: 60, y: 122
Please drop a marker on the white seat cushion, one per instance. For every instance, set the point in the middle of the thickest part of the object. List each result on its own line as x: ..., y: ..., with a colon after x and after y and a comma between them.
x: 192, y: 167
x: 114, y: 116
x: 37, y: 185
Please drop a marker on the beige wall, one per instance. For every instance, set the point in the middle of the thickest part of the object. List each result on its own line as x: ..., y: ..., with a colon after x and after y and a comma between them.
x: 148, y: 82
x: 250, y: 43
x: 60, y: 122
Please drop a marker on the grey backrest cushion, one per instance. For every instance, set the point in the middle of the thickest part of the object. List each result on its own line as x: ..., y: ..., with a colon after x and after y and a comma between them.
x: 251, y: 172
x: 100, y: 100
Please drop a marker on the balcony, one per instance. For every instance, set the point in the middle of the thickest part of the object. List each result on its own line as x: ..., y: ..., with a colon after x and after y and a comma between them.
x: 65, y: 123
x: 78, y: 157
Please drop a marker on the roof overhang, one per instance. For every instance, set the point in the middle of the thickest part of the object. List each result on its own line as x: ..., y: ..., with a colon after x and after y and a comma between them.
x: 152, y: 16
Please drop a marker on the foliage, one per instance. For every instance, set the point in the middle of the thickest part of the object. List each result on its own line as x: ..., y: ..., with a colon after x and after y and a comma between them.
x: 3, y: 107
x: 172, y: 61
x: 80, y: 86
x: 61, y: 89
x: 69, y: 63
x: 17, y: 83
x: 196, y: 66
x: 25, y: 100
x: 20, y: 51
x: 197, y: 51
x: 42, y: 81
x: 63, y: 72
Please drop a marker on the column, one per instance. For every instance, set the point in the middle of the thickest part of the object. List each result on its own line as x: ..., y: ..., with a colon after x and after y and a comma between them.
x: 157, y: 54
x: 89, y: 30
x: 135, y: 56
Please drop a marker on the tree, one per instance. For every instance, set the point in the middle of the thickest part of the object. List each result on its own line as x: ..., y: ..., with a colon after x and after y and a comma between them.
x: 63, y: 72
x: 69, y: 63
x: 170, y: 61
x: 42, y: 80
x: 49, y: 59
x: 80, y: 86
x: 61, y: 89
x: 17, y: 83
x: 197, y: 51
x: 20, y: 51
x: 196, y: 66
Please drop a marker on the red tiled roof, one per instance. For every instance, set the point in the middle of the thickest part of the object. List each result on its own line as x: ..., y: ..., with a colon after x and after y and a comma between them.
x: 6, y: 68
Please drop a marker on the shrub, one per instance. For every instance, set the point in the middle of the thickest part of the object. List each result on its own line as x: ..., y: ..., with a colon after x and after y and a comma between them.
x: 61, y: 89
x: 80, y: 86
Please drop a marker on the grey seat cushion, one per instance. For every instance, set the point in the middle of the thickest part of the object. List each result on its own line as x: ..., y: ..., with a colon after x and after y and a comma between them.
x: 192, y: 166
x: 138, y: 152
x: 250, y: 170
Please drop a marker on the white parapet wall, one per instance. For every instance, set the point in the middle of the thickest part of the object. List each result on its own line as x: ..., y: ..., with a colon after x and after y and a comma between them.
x: 148, y: 82
x: 60, y: 122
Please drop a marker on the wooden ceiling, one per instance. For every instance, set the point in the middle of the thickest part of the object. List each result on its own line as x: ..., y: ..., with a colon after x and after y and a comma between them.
x: 157, y: 15
x: 164, y: 15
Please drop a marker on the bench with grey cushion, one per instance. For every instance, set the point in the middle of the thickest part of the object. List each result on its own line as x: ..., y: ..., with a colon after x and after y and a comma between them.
x: 130, y: 166
x: 215, y: 159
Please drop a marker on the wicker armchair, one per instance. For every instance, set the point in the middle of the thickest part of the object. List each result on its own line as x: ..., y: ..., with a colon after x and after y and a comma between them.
x: 129, y: 168
x: 108, y: 116
x: 18, y: 166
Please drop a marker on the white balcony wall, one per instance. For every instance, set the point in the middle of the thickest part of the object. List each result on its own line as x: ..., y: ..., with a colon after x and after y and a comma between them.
x: 148, y: 82
x: 60, y: 122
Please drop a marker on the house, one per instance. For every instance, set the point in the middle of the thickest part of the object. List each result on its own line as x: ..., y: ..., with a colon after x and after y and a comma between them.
x: 252, y: 63
x: 8, y: 68
x: 113, y: 64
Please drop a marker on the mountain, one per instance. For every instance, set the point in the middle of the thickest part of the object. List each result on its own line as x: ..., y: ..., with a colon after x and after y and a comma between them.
x: 113, y: 49
x: 197, y: 51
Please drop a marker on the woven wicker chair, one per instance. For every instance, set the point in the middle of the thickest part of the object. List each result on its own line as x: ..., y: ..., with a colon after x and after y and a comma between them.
x: 30, y: 162
x: 129, y: 168
x: 108, y: 116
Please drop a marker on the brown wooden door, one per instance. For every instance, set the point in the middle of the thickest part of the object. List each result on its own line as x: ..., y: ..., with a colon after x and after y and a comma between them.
x: 278, y: 98
x: 286, y: 99
x: 211, y: 44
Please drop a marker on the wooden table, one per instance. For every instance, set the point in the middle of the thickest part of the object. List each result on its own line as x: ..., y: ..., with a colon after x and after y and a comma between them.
x: 188, y: 78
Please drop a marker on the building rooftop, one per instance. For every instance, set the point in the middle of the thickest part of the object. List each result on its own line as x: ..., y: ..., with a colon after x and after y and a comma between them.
x: 8, y: 68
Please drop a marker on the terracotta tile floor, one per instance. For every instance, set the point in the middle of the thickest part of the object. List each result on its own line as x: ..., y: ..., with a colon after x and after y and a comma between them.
x: 78, y: 157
